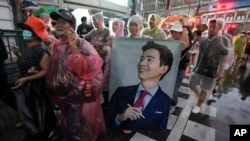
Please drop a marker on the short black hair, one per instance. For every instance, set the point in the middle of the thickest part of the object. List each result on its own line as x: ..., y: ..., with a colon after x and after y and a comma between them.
x: 212, y: 21
x: 198, y: 32
x: 166, y: 55
x: 83, y: 18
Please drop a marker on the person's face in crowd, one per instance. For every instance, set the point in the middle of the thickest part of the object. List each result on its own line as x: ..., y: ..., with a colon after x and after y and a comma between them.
x: 97, y: 22
x: 133, y: 28
x: 29, y: 36
x: 211, y: 29
x: 45, y: 18
x: 115, y: 26
x: 62, y: 27
x: 84, y: 22
x: 152, y: 22
x: 175, y: 35
x: 248, y: 35
x: 149, y: 65
x: 196, y: 37
x: 53, y: 24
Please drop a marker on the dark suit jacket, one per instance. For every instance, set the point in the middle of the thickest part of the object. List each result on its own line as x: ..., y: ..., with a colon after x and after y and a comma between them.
x: 156, y: 112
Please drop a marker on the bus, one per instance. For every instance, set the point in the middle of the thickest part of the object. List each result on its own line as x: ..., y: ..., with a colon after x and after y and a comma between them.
x: 235, y: 13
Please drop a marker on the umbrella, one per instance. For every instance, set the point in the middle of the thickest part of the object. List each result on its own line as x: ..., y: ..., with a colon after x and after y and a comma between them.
x: 170, y: 19
x: 28, y: 3
x: 45, y: 10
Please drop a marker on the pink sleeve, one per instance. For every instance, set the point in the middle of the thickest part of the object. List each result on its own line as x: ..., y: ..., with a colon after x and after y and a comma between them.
x: 86, y: 64
x: 77, y: 64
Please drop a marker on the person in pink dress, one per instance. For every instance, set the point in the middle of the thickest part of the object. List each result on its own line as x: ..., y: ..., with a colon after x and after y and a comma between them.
x: 75, y: 81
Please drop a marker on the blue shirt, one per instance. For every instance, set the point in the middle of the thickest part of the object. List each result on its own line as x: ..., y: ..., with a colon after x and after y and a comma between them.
x: 148, y: 97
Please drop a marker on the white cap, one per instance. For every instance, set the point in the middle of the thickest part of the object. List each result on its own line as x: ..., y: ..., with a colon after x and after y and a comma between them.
x: 177, y: 26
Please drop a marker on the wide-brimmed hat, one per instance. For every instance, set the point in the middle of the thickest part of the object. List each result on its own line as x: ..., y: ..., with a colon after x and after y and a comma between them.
x: 37, y: 25
x: 64, y: 14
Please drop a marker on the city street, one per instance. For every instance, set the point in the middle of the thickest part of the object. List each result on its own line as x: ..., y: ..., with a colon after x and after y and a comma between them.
x: 115, y: 30
x: 211, y: 124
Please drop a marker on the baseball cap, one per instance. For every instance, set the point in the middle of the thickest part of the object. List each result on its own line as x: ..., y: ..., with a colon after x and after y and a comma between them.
x: 177, y: 26
x: 37, y: 25
x: 64, y: 14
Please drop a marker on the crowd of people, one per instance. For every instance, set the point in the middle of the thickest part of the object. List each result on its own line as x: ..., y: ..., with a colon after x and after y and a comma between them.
x: 69, y: 70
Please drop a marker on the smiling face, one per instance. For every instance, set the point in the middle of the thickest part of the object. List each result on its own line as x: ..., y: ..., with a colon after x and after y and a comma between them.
x: 133, y: 28
x: 115, y: 26
x: 45, y: 18
x: 176, y: 35
x: 62, y: 27
x: 149, y: 66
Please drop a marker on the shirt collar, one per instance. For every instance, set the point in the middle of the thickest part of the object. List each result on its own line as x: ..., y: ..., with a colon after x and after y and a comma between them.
x: 151, y: 91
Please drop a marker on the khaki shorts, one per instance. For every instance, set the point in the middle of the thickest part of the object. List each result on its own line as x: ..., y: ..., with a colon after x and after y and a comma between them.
x: 205, y: 83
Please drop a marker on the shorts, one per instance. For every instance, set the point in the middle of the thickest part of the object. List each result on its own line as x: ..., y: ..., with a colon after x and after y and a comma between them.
x: 205, y: 83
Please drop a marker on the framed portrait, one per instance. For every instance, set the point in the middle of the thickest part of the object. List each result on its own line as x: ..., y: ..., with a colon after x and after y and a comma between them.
x: 125, y: 54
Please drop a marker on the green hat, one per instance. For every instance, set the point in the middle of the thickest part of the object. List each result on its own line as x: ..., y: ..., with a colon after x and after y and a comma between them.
x: 45, y: 10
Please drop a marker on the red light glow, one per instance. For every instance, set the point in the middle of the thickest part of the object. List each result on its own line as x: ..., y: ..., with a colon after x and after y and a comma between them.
x: 231, y: 25
x: 221, y: 6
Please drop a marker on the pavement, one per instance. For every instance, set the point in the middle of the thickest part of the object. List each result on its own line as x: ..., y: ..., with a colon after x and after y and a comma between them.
x: 211, y: 124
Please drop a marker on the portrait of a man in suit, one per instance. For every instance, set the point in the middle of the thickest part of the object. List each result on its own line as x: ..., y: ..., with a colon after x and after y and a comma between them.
x: 143, y: 106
